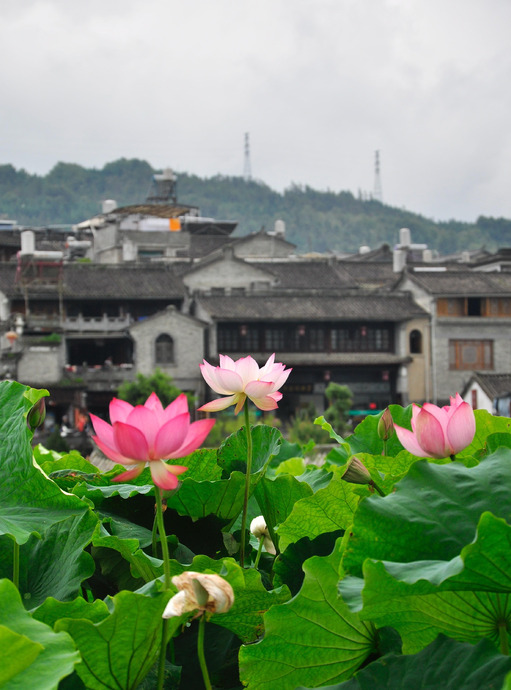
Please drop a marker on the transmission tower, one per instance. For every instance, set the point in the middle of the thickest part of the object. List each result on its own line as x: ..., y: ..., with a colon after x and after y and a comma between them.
x: 247, y: 170
x: 377, y: 193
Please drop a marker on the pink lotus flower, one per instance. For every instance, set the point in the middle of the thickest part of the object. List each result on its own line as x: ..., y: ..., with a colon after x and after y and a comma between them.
x: 439, y: 432
x: 244, y: 379
x: 150, y: 433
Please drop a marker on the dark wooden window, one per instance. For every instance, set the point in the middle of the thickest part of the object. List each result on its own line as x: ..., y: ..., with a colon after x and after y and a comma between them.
x: 274, y: 339
x: 164, y: 349
x: 355, y: 338
x: 415, y: 342
x: 471, y: 354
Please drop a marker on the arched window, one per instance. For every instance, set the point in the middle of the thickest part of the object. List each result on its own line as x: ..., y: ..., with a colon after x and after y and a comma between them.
x: 164, y: 349
x: 415, y: 342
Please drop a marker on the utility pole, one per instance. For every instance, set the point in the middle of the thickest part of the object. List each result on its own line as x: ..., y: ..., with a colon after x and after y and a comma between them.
x: 377, y: 193
x: 247, y: 170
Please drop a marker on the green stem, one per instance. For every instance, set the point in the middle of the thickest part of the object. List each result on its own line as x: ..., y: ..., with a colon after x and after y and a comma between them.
x: 504, y: 641
x: 16, y: 565
x: 259, y: 551
x: 163, y: 654
x: 453, y: 457
x: 154, y: 540
x: 166, y: 570
x: 247, y: 486
x: 163, y: 537
x: 200, y: 652
x: 375, y: 486
x: 384, y: 451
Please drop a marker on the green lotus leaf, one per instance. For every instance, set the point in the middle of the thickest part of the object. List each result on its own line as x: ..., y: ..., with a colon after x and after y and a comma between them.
x: 223, y: 497
x: 287, y: 568
x: 294, y: 466
x: 55, y: 565
x: 328, y: 510
x: 125, y: 529
x: 311, y: 640
x: 444, y: 664
x: 52, y: 610
x: 118, y: 651
x: 365, y: 438
x: 276, y: 499
x: 72, y: 461
x: 433, y: 513
x: 316, y: 477
x: 29, y: 501
x: 232, y: 454
x: 463, y: 615
x: 32, y: 654
x: 486, y: 424
x: 251, y: 598
x: 465, y: 598
x: 141, y: 565
x: 18, y: 653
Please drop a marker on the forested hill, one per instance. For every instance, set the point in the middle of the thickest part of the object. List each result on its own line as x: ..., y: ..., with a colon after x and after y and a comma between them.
x: 315, y: 221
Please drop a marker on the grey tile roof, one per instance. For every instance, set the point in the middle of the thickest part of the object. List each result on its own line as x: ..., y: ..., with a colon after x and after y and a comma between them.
x: 268, y: 306
x: 463, y: 282
x: 494, y: 385
x: 101, y: 281
x: 292, y: 275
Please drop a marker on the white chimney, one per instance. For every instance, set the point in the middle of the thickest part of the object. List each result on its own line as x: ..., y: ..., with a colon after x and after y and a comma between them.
x: 398, y: 260
x: 27, y: 243
x: 108, y: 205
x: 280, y: 228
x: 405, y: 237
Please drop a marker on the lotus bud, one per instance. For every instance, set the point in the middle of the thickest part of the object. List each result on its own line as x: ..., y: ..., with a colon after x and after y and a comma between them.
x: 356, y: 472
x: 199, y: 592
x: 260, y: 531
x: 386, y: 426
x: 36, y: 415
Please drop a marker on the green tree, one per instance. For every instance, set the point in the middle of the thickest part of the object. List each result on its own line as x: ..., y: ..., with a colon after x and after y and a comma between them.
x: 136, y: 392
x: 340, y: 400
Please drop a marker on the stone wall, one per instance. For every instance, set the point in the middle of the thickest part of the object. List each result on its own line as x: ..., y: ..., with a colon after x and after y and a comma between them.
x: 187, y: 334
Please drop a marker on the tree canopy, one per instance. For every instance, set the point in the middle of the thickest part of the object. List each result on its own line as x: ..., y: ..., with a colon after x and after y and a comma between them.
x: 315, y: 220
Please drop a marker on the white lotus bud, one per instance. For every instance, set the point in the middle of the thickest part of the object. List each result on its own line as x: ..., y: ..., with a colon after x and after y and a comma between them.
x: 260, y: 530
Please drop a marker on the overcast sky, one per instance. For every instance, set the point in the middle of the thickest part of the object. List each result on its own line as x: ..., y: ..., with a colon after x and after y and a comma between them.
x: 320, y: 85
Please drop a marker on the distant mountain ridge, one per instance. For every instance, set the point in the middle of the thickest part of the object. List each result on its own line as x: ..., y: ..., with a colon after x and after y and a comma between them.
x: 315, y: 220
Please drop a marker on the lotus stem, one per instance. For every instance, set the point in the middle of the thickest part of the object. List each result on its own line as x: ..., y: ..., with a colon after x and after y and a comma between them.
x: 16, y: 565
x: 163, y: 654
x: 166, y: 570
x: 377, y: 488
x: 259, y: 552
x: 163, y: 537
x: 247, y: 486
x: 200, y: 652
x: 154, y: 539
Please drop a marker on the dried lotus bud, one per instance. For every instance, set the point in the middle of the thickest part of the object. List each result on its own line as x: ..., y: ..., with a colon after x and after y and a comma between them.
x: 356, y: 472
x: 199, y: 592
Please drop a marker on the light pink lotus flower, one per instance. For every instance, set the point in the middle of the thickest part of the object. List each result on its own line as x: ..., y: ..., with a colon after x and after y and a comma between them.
x: 244, y: 379
x: 150, y: 433
x: 439, y: 432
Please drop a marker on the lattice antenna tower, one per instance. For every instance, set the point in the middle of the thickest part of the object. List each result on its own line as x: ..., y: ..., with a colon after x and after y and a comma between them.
x: 377, y: 193
x: 247, y: 168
